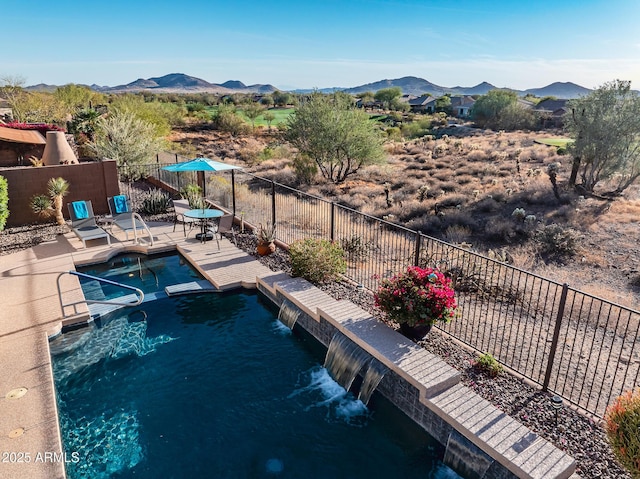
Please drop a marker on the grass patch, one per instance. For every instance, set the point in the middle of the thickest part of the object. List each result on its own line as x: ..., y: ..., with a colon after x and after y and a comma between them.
x: 280, y: 115
x: 559, y: 142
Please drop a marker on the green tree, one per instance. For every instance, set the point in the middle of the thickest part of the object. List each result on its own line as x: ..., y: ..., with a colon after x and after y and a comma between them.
x: 269, y: 117
x: 488, y: 110
x: 124, y: 137
x: 605, y: 126
x: 337, y: 136
x: 227, y: 119
x: 161, y: 116
x: 267, y: 101
x: 388, y: 95
x: 77, y: 97
x: 443, y: 104
x: 281, y: 98
x: 253, y: 110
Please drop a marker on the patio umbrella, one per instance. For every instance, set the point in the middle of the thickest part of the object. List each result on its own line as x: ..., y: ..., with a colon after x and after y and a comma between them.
x: 201, y: 164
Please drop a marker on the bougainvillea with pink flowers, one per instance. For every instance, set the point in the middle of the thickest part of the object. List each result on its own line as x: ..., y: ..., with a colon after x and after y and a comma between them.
x: 41, y: 127
x: 417, y: 296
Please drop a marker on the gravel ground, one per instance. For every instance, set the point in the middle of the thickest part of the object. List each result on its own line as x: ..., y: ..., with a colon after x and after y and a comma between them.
x: 576, y: 434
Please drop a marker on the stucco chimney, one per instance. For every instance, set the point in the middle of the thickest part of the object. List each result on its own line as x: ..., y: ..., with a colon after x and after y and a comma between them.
x: 57, y: 150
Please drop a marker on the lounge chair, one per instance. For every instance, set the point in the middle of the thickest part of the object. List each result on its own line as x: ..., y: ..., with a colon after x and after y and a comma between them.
x: 83, y: 222
x: 180, y: 207
x: 126, y: 219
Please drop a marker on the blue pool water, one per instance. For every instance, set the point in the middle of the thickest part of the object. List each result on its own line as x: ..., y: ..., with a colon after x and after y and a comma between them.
x: 214, y: 386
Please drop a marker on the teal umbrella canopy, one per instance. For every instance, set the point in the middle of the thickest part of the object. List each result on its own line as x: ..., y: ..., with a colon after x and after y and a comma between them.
x: 201, y: 164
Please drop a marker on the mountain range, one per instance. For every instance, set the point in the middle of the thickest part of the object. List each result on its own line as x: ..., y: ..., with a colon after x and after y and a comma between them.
x: 181, y: 83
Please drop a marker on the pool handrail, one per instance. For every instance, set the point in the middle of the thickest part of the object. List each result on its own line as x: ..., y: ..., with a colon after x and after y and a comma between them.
x: 138, y: 292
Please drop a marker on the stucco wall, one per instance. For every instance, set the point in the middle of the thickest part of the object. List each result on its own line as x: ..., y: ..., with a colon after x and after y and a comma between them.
x: 93, y: 181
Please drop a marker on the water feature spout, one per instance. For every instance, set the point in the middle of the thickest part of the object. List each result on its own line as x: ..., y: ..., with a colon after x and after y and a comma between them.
x: 344, y: 360
x: 288, y: 314
x: 372, y: 377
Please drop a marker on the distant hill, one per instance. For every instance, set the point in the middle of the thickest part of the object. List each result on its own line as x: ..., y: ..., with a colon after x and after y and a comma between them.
x: 418, y: 86
x: 182, y: 83
x: 480, y: 89
x: 410, y: 85
x: 566, y: 90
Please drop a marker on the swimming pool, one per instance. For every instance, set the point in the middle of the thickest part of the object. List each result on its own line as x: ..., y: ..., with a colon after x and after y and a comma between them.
x: 213, y: 385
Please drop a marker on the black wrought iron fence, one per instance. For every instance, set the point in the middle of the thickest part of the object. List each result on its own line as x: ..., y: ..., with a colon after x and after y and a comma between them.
x: 574, y: 344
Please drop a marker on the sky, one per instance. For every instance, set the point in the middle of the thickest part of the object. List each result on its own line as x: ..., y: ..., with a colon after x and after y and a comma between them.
x: 322, y: 44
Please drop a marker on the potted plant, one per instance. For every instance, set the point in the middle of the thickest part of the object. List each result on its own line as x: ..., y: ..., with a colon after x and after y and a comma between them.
x: 416, y: 299
x: 266, y: 239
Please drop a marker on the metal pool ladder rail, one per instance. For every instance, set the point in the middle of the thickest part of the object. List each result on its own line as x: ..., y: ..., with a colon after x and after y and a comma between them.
x: 138, y: 292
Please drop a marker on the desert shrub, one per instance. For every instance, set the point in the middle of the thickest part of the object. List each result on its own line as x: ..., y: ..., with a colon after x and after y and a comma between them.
x: 499, y: 229
x: 355, y: 248
x: 305, y: 169
x: 622, y: 423
x: 488, y: 365
x: 4, y: 202
x: 487, y: 205
x: 193, y: 194
x: 457, y: 217
x: 393, y: 133
x: 452, y: 201
x: 317, y: 260
x: 449, y: 186
x: 457, y: 234
x: 155, y: 202
x: 557, y: 242
x: 477, y: 155
x: 416, y: 129
x: 464, y: 179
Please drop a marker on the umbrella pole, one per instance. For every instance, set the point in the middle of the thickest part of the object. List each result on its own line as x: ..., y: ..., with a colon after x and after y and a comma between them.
x: 203, y: 184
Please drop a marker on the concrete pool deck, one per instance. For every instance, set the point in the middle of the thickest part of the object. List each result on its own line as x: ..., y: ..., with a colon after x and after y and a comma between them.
x: 31, y: 312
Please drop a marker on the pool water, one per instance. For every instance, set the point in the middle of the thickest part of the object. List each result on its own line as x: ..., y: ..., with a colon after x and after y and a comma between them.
x: 151, y: 274
x: 214, y: 386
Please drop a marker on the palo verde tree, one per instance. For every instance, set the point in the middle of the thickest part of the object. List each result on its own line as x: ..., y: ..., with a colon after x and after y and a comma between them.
x: 605, y: 126
x: 123, y: 137
x: 500, y: 110
x: 388, y: 96
x: 337, y: 136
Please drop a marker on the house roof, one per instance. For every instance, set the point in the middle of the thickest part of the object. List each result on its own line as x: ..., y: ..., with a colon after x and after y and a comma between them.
x: 421, y: 101
x: 21, y: 136
x: 458, y: 101
x: 551, y: 105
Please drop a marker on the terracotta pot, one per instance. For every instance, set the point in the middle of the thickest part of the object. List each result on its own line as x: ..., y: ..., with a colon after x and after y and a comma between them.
x: 265, y: 249
x: 416, y: 332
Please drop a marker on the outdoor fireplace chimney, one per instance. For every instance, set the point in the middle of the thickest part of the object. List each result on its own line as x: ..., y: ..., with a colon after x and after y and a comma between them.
x: 57, y: 150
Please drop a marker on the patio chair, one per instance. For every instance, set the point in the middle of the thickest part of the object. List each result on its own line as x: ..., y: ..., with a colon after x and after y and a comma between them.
x: 224, y: 225
x: 83, y: 222
x: 180, y: 206
x: 126, y: 219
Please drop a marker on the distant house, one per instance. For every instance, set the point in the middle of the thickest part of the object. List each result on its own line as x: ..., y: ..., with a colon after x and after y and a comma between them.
x: 423, y: 104
x: 551, y: 112
x: 461, y: 105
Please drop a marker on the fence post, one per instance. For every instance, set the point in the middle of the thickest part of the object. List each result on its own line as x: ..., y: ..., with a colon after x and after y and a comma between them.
x: 233, y: 192
x: 556, y: 335
x: 416, y: 261
x: 273, y: 202
x: 333, y: 221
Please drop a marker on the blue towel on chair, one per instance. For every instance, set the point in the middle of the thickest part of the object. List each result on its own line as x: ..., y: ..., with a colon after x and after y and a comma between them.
x: 80, y: 210
x: 120, y: 203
